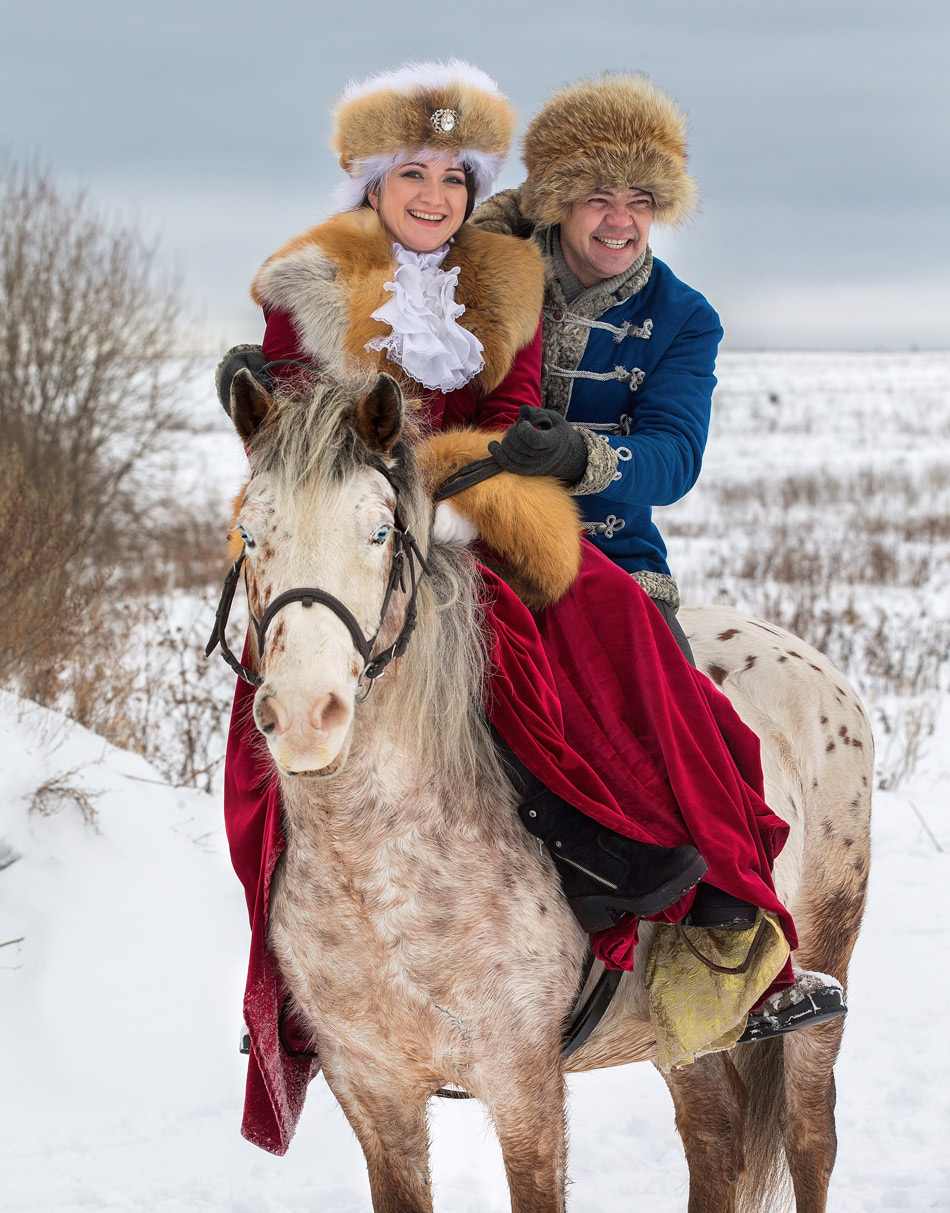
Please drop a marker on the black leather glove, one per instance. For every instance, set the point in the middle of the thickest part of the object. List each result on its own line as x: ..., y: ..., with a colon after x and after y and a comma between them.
x: 249, y: 356
x: 541, y: 443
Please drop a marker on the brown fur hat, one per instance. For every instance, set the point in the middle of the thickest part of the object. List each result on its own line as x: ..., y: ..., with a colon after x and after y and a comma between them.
x: 448, y: 109
x: 617, y: 132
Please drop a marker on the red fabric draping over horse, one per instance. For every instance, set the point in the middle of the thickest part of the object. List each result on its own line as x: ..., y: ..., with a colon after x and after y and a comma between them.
x: 597, y: 700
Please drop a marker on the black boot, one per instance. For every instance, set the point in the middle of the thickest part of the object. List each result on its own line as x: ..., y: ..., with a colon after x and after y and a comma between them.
x: 604, y: 875
x: 814, y: 998
x: 719, y: 911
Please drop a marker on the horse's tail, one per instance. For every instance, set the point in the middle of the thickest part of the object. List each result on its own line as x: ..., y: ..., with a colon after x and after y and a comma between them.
x: 765, y: 1183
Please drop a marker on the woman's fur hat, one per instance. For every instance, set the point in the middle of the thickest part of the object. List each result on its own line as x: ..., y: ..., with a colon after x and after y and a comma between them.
x: 617, y: 132
x: 447, y: 108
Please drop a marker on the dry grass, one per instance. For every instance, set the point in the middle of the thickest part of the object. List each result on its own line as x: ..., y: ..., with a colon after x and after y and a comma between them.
x: 53, y: 794
x: 49, y: 589
x: 101, y: 643
x: 857, y: 565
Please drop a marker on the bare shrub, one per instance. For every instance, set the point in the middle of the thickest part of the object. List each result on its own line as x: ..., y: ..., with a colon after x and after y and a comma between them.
x: 182, y: 546
x: 89, y: 343
x: 49, y: 589
x: 150, y: 689
x: 902, y: 731
x: 90, y: 371
x: 181, y: 702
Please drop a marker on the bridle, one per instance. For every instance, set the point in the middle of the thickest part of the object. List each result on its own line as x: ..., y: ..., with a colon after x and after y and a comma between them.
x: 407, y: 560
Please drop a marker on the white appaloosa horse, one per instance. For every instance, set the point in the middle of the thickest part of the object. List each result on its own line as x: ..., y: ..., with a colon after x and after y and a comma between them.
x: 419, y: 928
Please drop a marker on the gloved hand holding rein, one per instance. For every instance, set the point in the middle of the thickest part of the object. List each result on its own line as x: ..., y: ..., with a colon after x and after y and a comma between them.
x: 541, y: 443
x: 250, y: 357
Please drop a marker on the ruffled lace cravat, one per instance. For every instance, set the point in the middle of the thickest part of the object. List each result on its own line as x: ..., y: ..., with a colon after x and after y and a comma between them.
x: 426, y: 341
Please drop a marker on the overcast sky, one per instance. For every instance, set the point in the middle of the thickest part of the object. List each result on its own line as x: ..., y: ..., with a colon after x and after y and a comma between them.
x: 820, y: 135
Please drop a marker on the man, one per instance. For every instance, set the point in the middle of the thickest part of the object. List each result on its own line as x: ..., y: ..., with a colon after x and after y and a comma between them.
x: 628, y: 365
x: 629, y: 349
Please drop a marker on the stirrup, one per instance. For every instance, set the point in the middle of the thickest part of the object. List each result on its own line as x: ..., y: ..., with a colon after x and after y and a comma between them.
x: 814, y: 1008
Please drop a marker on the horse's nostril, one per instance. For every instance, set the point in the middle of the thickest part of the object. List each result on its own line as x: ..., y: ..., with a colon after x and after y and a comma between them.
x: 329, y: 712
x: 266, y: 715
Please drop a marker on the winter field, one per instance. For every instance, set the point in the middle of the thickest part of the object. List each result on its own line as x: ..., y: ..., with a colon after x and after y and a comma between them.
x: 824, y: 505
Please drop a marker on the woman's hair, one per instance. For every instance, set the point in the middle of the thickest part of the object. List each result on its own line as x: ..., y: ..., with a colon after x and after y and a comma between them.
x: 471, y: 187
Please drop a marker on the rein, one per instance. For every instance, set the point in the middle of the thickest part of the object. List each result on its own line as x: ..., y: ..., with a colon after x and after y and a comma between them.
x: 407, y: 559
x: 465, y: 477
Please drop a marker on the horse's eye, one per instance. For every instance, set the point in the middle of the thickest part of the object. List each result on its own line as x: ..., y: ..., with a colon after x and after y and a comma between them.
x: 248, y: 540
x: 381, y: 535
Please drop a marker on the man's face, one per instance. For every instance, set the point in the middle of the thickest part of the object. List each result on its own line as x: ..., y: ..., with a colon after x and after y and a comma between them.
x: 605, y: 233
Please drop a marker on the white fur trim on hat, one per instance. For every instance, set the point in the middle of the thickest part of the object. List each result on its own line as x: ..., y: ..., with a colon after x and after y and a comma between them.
x: 368, y: 174
x: 413, y: 76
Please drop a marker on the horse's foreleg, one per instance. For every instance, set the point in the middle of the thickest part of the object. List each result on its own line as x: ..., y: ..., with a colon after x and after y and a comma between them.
x: 710, y: 1101
x: 526, y: 1103
x: 391, y: 1127
x: 810, y: 1139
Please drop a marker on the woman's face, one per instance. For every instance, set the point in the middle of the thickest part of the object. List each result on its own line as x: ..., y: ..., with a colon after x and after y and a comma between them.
x: 422, y: 203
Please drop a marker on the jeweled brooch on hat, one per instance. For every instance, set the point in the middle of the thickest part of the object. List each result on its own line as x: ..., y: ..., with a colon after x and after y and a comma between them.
x: 445, y: 120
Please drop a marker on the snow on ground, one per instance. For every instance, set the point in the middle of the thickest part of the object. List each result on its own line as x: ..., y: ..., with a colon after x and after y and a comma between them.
x: 120, y: 1004
x: 119, y: 1014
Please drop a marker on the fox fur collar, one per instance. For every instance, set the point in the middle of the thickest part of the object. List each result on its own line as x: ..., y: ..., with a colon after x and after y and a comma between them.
x: 331, y: 279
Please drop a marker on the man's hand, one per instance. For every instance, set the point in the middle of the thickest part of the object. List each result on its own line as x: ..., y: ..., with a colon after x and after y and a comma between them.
x: 541, y: 443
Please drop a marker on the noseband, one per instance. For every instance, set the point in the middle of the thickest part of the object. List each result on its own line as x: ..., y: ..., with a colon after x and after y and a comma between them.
x: 406, y: 557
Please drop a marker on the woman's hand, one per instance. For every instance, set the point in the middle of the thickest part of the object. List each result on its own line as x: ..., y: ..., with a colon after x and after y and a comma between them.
x: 541, y: 443
x: 240, y: 357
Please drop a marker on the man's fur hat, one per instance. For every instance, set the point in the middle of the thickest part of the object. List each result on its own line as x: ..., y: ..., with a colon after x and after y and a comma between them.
x: 617, y: 132
x: 450, y: 109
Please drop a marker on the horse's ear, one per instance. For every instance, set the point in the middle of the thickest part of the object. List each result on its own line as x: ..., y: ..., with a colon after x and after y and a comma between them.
x: 250, y: 403
x: 379, y: 415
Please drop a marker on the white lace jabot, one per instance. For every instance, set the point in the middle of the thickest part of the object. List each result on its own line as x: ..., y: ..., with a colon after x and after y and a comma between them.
x: 426, y: 341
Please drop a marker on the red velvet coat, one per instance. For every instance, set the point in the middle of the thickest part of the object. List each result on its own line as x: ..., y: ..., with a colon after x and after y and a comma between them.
x: 593, y: 695
x: 495, y: 409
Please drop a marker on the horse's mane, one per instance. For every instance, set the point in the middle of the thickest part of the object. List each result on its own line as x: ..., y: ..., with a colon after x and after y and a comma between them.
x: 434, y: 707
x: 306, y: 439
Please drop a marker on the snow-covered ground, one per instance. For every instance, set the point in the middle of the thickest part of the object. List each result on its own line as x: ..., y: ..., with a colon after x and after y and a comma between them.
x: 120, y: 986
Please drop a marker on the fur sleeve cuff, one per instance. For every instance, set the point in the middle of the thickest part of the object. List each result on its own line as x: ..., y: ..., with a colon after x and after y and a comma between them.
x: 601, y: 464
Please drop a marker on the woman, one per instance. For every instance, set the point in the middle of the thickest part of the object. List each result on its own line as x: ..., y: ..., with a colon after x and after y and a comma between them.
x: 635, y: 807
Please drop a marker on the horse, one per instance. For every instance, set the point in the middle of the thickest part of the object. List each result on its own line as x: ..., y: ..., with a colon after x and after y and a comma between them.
x: 419, y: 929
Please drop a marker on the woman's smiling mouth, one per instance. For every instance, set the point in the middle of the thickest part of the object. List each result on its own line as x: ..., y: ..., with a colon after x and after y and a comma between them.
x: 426, y: 217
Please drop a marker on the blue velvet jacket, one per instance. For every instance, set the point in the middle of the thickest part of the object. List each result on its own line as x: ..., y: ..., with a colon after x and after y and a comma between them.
x: 644, y: 383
